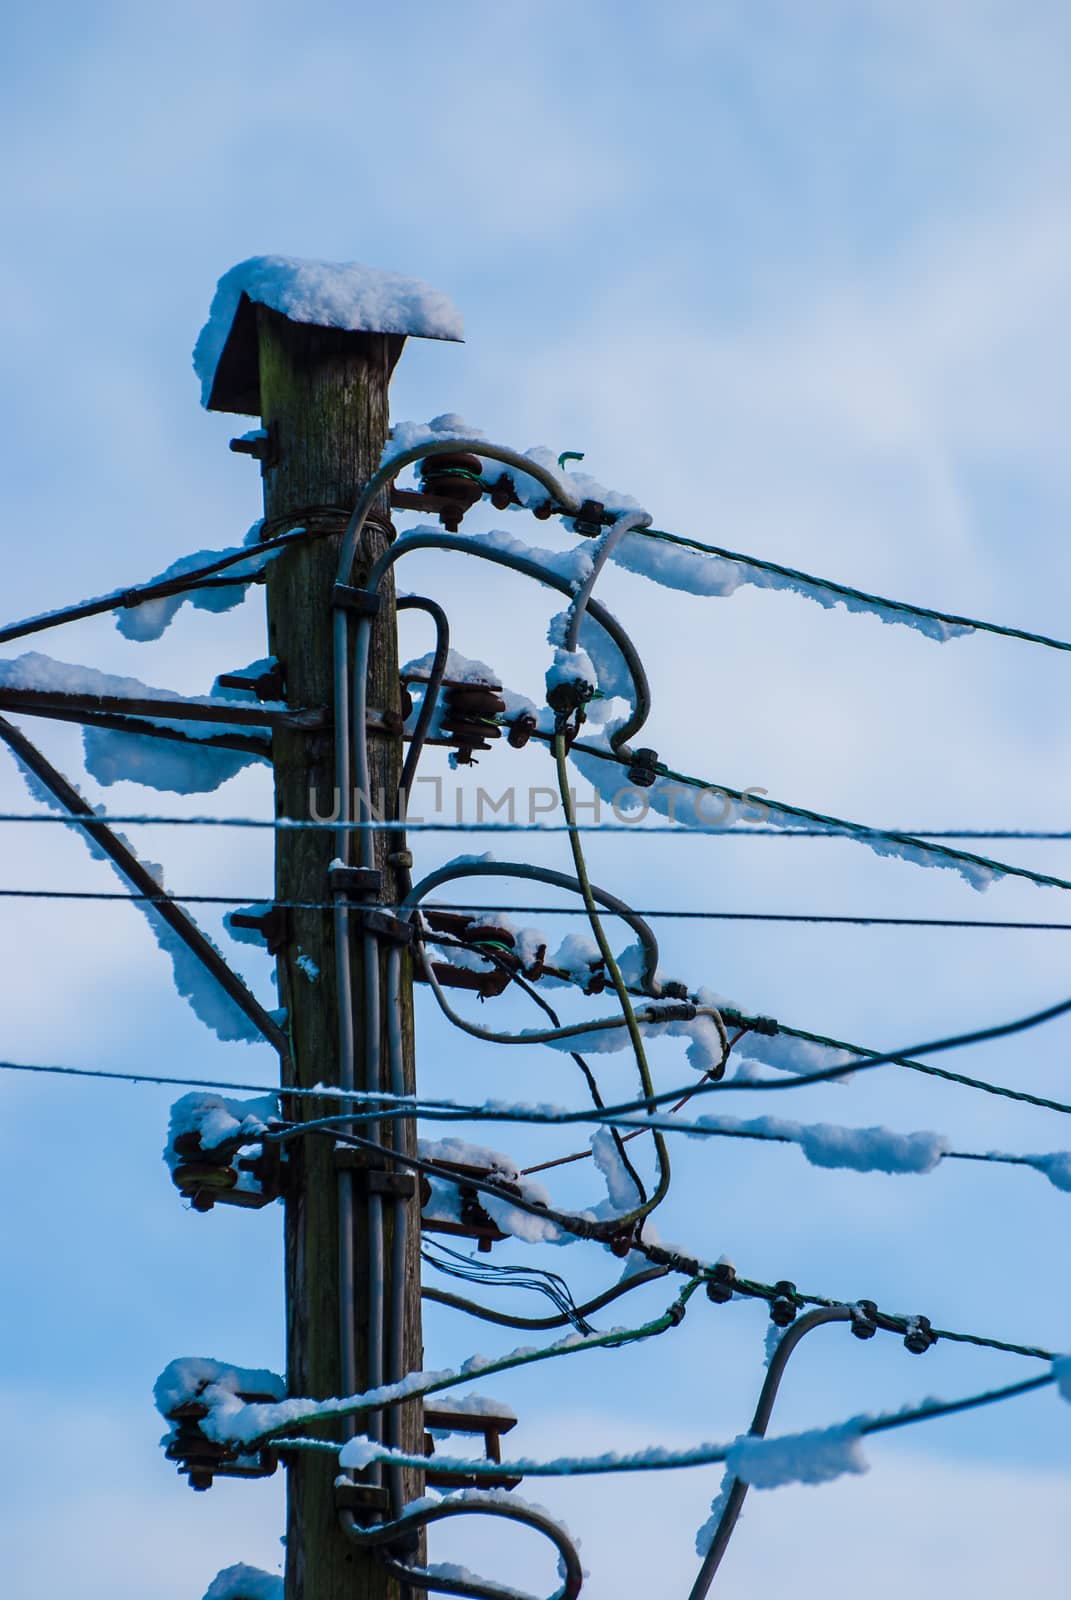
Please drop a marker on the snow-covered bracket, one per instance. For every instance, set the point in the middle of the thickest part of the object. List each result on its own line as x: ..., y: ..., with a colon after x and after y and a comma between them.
x: 184, y: 1395
x: 217, y: 1154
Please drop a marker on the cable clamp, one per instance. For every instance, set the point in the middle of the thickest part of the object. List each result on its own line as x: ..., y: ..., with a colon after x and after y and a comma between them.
x: 785, y: 1304
x: 864, y: 1319
x: 369, y: 1502
x: 373, y: 1174
x: 673, y: 989
x: 365, y: 602
x: 721, y: 1283
x: 589, y: 519
x: 392, y: 930
x: 644, y: 768
x: 357, y: 883
x: 919, y: 1336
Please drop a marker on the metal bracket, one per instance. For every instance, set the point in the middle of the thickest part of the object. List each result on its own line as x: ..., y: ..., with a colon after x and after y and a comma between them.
x: 364, y: 602
x: 201, y: 1459
x: 273, y: 926
x: 359, y: 883
x: 374, y: 1176
x: 589, y: 519
x: 264, y: 448
x: 369, y: 1502
x: 270, y: 685
x: 392, y: 930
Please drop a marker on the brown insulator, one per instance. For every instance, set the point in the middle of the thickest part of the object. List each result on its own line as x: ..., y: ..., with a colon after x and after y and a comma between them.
x: 469, y: 716
x: 455, y: 480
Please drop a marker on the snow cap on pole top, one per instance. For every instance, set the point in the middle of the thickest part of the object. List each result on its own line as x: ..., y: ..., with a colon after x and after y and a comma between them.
x: 324, y: 294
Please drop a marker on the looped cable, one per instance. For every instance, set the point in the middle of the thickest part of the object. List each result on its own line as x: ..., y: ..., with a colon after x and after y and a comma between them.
x: 474, y: 1504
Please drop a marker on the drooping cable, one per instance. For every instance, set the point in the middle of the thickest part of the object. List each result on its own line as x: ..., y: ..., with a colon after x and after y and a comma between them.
x: 846, y: 592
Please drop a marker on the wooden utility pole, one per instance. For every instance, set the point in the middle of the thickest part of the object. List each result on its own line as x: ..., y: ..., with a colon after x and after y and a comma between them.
x: 322, y: 398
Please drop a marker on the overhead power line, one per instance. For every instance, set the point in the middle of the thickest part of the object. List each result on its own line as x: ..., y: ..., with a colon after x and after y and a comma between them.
x: 847, y: 592
x: 862, y: 919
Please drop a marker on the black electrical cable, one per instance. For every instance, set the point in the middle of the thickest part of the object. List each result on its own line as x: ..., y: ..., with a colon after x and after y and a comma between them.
x: 493, y: 1275
x: 158, y: 588
x: 624, y: 1286
x: 669, y: 914
x: 548, y: 1010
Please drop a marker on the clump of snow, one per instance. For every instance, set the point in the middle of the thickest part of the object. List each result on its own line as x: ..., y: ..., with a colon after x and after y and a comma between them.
x: 611, y: 672
x: 570, y: 667
x: 480, y: 1405
x: 217, y: 1120
x: 209, y: 1002
x: 578, y: 956
x: 704, y: 1050
x: 200, y: 1378
x: 150, y: 619
x: 710, y: 807
x: 1056, y: 1167
x: 114, y: 756
x: 704, y: 1537
x: 773, y: 1338
x: 307, y: 966
x: 444, y: 1201
x: 169, y: 766
x: 578, y: 486
x: 858, y: 1149
x: 817, y: 1456
x: 697, y: 573
x: 871, y: 1149
x: 325, y: 294
x: 244, y: 1583
x: 406, y: 436
x: 620, y: 1184
x: 359, y: 1452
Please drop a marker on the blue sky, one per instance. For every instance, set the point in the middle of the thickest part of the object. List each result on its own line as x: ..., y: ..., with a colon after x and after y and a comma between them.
x: 796, y: 277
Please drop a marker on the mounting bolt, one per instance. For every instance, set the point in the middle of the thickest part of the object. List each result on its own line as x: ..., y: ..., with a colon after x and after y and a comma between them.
x: 263, y: 446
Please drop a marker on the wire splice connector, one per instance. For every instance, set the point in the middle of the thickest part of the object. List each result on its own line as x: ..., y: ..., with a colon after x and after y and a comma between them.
x: 919, y: 1336
x: 785, y: 1304
x: 589, y: 519
x: 864, y: 1319
x: 721, y: 1285
x: 642, y: 770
